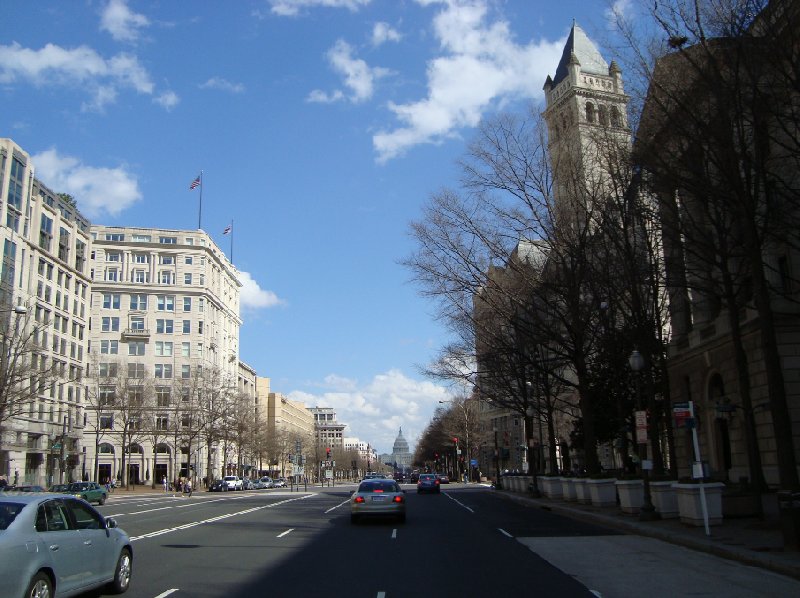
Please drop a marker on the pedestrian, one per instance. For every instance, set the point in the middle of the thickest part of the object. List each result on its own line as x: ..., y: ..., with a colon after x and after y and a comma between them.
x: 164, y: 481
x: 188, y: 487
x: 3, y: 481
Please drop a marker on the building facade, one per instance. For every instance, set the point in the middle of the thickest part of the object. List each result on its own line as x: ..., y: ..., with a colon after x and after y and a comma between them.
x: 44, y: 316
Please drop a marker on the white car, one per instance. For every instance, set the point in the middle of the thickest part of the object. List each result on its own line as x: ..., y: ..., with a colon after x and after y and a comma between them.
x: 234, y: 482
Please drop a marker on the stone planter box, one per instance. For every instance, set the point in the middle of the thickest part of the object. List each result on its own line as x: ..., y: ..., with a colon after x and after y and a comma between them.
x: 689, y: 507
x: 582, y: 491
x: 551, y: 487
x: 665, y: 499
x: 631, y: 495
x: 603, y: 493
x: 568, y: 489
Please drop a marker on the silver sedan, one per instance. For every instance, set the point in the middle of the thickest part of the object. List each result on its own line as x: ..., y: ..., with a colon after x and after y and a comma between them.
x: 53, y: 546
x: 378, y: 497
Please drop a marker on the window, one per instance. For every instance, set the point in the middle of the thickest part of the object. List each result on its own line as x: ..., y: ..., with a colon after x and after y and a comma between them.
x: 189, y: 240
x: 107, y: 370
x: 141, y: 258
x: 46, y: 233
x: 109, y: 347
x: 164, y: 371
x: 139, y: 302
x: 603, y: 115
x: 187, y: 304
x: 186, y: 349
x: 140, y: 276
x: 167, y: 260
x: 188, y: 259
x: 135, y: 370
x: 136, y: 348
x: 168, y: 240
x: 137, y: 322
x: 616, y: 121
x: 162, y: 396
x: 186, y: 371
x: 187, y: 327
x: 201, y: 304
x: 113, y: 256
x: 166, y: 277
x: 141, y: 238
x: 202, y: 280
x: 136, y: 397
x: 187, y: 278
x: 115, y: 237
x: 185, y: 394
x: 198, y: 350
x: 200, y: 327
x: 107, y: 394
x: 164, y: 348
x: 162, y: 422
x: 111, y: 300
x: 165, y: 302
x: 106, y: 422
x: 164, y: 326
x: 589, y: 112
x: 110, y: 324
x: 112, y: 275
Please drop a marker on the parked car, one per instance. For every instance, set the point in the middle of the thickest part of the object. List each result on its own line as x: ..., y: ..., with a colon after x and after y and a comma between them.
x: 218, y: 486
x: 88, y: 491
x: 25, y: 488
x: 234, y: 482
x: 247, y: 484
x: 258, y: 485
x: 59, y: 544
x: 428, y: 482
x: 268, y: 482
x: 444, y: 478
x: 378, y: 497
x: 279, y: 483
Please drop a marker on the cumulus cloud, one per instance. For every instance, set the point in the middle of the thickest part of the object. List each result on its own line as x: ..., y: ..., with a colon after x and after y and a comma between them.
x: 167, y: 100
x: 223, y: 85
x: 123, y: 24
x: 98, y: 191
x: 358, y: 77
x: 382, y: 33
x: 291, y: 8
x: 252, y: 296
x: 375, y: 410
x: 481, y: 66
x: 80, y: 68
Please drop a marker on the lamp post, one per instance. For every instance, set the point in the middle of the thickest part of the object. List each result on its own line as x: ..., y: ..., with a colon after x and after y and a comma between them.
x: 534, y: 470
x: 648, y: 511
x: 496, y: 459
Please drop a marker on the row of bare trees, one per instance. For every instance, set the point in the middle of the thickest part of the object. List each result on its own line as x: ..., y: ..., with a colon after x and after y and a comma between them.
x: 548, y: 288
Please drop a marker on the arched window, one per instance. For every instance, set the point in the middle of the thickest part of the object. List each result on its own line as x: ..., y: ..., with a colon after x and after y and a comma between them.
x: 106, y: 449
x: 589, y: 112
x: 603, y: 111
x: 616, y: 121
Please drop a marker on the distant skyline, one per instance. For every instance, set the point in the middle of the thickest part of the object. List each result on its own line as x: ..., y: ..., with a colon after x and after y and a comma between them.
x: 321, y: 128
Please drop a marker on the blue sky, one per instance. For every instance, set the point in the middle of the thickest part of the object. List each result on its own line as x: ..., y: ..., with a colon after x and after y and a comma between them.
x: 321, y: 127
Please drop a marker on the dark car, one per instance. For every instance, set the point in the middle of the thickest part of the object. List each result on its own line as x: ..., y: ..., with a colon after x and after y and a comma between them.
x: 428, y: 482
x: 218, y: 486
x: 414, y: 477
x: 444, y: 478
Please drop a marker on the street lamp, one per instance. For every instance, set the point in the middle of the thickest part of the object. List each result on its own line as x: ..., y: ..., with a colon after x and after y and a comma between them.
x: 530, y: 412
x: 648, y: 511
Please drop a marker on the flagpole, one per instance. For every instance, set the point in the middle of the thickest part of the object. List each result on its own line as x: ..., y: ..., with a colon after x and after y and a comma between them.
x: 200, y: 209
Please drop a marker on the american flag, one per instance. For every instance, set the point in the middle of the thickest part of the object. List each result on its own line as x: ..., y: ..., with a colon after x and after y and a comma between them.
x: 227, y: 229
x: 195, y: 183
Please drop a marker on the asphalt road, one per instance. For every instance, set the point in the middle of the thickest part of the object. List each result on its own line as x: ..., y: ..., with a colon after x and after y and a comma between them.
x: 463, y: 542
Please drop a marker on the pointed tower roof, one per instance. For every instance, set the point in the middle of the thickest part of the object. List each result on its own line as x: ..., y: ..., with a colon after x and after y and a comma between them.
x: 579, y: 47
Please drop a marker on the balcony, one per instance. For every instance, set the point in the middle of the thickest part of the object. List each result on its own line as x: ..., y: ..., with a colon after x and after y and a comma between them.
x: 136, y: 333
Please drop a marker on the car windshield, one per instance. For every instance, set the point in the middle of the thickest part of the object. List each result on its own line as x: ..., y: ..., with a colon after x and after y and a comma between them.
x: 379, y: 486
x: 8, y: 512
x: 427, y: 477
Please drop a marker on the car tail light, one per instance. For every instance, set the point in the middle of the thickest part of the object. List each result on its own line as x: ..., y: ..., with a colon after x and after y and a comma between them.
x: 359, y: 499
x: 378, y: 490
x: 397, y: 499
x: 437, y: 482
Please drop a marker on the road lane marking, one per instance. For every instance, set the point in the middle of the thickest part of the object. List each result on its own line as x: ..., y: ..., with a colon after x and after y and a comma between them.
x: 381, y: 595
x: 167, y: 593
x: 458, y: 502
x: 504, y: 532
x: 337, y: 506
x: 149, y: 510
x: 394, y: 534
x: 288, y: 531
x: 217, y: 518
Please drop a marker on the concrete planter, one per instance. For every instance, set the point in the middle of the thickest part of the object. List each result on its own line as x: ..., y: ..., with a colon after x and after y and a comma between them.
x: 582, y: 491
x: 631, y: 495
x: 568, y: 489
x: 689, y: 507
x: 603, y: 493
x: 551, y: 487
x: 665, y: 499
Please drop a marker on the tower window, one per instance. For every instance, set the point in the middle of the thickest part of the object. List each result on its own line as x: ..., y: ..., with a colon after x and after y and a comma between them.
x: 616, y: 121
x: 603, y: 112
x: 589, y: 112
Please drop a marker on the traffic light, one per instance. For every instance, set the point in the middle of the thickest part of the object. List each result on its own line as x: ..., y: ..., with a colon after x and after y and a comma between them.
x: 328, y: 453
x: 455, y: 439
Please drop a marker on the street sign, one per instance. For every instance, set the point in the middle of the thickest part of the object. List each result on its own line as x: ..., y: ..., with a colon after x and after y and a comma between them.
x: 682, y: 413
x: 641, y: 435
x: 641, y: 426
x: 57, y: 446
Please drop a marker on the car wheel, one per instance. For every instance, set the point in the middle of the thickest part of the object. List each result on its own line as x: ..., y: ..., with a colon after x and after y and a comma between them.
x: 102, y: 500
x: 122, y: 574
x: 41, y: 586
x: 353, y: 518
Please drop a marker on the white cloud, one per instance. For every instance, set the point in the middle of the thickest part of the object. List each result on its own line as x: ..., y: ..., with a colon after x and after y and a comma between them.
x: 290, y: 8
x: 223, y: 85
x: 168, y: 100
x: 374, y: 411
x: 359, y: 77
x: 383, y: 32
x: 481, y: 66
x: 81, y: 68
x: 252, y: 296
x: 120, y: 22
x: 98, y: 191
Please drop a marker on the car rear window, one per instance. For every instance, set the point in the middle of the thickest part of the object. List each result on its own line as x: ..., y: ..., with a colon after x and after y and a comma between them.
x: 8, y: 512
x: 379, y: 486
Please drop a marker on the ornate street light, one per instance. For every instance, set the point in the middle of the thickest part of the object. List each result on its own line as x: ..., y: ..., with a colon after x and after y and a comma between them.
x: 648, y: 511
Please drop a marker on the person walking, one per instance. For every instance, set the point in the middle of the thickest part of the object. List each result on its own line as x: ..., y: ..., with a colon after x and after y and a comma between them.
x: 187, y: 487
x: 164, y: 482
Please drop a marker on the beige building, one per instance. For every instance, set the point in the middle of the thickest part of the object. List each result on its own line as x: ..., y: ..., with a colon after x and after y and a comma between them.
x: 165, y: 325
x: 44, y: 313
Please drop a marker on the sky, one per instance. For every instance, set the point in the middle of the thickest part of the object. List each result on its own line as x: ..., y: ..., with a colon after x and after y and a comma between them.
x: 321, y: 127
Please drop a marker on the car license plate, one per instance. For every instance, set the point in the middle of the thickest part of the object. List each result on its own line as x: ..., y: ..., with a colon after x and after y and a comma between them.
x: 378, y: 499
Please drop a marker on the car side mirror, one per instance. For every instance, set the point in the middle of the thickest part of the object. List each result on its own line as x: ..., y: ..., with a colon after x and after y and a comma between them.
x: 111, y: 523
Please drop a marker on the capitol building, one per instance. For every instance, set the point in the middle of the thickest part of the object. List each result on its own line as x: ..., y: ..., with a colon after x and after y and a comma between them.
x: 401, y: 455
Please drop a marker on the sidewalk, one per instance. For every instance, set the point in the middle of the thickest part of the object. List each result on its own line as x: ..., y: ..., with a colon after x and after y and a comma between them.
x: 751, y: 541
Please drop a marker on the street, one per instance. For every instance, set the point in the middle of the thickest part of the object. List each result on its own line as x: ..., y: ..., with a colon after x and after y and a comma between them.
x: 464, y: 542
